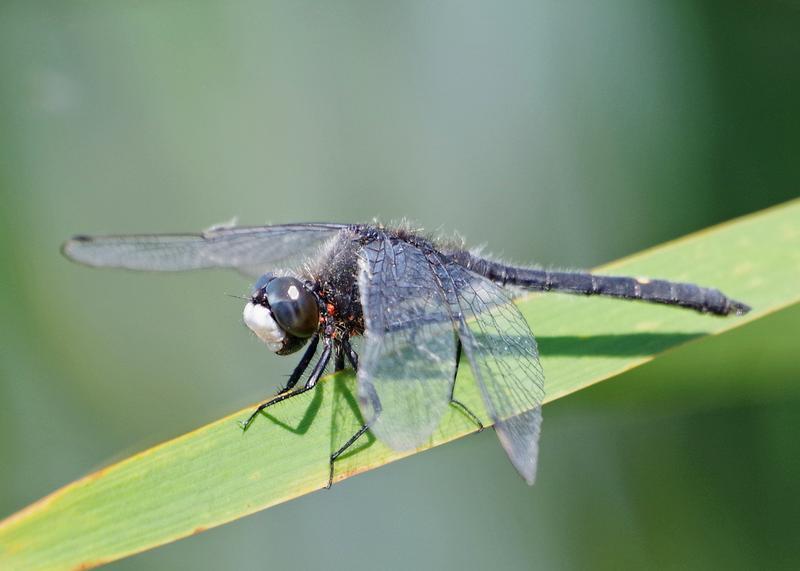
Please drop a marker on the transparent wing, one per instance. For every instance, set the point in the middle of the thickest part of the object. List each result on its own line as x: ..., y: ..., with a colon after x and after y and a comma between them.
x: 407, y: 365
x: 250, y: 250
x: 502, y: 352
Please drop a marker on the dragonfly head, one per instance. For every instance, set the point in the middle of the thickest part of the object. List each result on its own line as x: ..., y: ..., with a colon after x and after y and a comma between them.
x: 282, y: 312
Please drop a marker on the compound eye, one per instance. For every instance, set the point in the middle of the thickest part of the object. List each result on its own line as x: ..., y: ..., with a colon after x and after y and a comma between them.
x: 293, y: 306
x: 261, y: 282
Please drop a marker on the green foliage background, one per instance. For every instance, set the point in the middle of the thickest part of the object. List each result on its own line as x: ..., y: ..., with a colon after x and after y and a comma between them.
x: 554, y: 132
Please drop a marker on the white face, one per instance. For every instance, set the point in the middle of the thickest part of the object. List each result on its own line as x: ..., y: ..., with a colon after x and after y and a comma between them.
x: 260, y: 322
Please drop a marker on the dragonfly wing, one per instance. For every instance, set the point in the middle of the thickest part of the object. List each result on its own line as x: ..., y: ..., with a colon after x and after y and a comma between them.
x: 250, y: 250
x: 502, y: 352
x: 407, y: 365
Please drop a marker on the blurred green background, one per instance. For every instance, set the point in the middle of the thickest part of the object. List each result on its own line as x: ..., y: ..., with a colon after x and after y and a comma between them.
x: 564, y: 133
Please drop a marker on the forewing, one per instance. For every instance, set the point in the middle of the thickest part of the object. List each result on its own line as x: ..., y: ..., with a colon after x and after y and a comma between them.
x: 250, y: 250
x: 502, y: 352
x: 407, y: 366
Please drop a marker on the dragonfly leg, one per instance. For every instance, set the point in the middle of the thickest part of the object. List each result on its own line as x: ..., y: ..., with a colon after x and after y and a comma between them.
x: 457, y: 403
x: 338, y: 353
x: 351, y: 355
x: 301, y: 366
x: 376, y: 405
x: 319, y: 368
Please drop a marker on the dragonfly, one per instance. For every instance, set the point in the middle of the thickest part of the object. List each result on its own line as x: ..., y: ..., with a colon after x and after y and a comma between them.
x: 418, y: 303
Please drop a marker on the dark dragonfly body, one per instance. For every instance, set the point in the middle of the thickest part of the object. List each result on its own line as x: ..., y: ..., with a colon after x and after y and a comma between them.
x: 419, y: 303
x: 690, y: 296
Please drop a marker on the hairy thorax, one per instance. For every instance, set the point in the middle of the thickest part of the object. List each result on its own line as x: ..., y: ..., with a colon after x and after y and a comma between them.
x: 335, y: 278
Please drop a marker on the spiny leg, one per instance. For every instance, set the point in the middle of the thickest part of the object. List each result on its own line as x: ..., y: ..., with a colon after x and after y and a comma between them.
x: 352, y: 356
x: 376, y: 405
x: 319, y: 368
x: 301, y: 366
x: 457, y: 403
x: 338, y: 357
